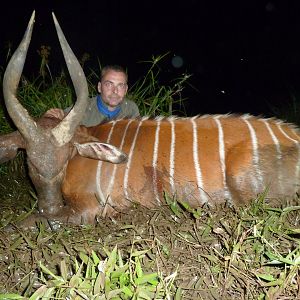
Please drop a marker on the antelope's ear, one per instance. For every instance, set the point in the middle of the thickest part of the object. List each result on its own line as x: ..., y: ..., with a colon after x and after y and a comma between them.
x: 9, y: 145
x: 101, y: 151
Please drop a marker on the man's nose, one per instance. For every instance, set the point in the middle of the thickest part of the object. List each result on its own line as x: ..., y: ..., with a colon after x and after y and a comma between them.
x: 115, y: 89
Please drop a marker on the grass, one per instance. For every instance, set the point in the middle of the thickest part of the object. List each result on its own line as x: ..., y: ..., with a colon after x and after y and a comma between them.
x: 170, y: 252
x: 91, y: 277
x: 153, y: 98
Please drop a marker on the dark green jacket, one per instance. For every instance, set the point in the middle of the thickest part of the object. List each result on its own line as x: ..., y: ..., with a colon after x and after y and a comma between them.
x: 94, y: 117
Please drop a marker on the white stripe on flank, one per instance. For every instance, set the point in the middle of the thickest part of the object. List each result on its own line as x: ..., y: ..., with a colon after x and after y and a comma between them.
x: 222, y: 157
x: 297, y: 167
x: 203, y: 195
x: 154, y: 161
x: 274, y: 139
x: 172, y: 156
x: 100, y: 195
x: 296, y: 134
x: 285, y: 134
x: 259, y: 178
x: 279, y: 154
x: 128, y: 165
x: 298, y: 164
x: 113, y: 175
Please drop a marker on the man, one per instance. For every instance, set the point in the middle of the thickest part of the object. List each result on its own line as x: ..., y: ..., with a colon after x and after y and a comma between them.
x: 110, y: 103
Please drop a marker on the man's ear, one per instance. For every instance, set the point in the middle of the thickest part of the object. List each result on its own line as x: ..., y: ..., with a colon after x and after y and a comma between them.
x: 99, y: 87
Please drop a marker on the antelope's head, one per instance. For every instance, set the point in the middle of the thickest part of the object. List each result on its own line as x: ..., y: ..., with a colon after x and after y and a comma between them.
x: 48, y: 148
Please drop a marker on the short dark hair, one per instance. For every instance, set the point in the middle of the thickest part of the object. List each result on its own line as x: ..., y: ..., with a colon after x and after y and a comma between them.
x: 116, y: 68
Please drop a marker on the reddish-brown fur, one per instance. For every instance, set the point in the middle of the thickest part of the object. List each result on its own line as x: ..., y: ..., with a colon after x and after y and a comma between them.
x: 241, y: 181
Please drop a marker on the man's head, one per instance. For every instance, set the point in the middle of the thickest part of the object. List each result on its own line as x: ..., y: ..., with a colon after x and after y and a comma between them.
x: 113, y: 85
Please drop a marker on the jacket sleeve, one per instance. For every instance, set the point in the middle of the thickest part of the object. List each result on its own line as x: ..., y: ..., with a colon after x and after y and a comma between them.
x: 135, y: 111
x: 129, y: 109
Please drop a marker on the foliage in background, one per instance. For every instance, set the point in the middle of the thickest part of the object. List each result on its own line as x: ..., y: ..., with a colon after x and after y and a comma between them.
x: 47, y: 90
x: 155, y: 99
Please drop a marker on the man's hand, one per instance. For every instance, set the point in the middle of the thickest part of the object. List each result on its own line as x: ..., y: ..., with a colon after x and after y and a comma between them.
x: 55, y: 113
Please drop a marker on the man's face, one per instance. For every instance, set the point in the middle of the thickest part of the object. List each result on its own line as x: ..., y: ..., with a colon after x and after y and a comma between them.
x: 113, y: 88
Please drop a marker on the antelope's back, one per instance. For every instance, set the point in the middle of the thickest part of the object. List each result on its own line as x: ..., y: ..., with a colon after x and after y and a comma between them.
x: 201, y: 159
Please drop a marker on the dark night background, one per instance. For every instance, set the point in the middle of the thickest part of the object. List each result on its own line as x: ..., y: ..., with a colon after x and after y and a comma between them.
x: 244, y: 56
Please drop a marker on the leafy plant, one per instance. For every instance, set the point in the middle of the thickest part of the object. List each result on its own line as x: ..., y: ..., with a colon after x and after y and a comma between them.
x: 154, y: 98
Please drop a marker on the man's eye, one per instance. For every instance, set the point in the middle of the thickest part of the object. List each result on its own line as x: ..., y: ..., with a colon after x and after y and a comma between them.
x: 108, y: 84
x: 122, y: 86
